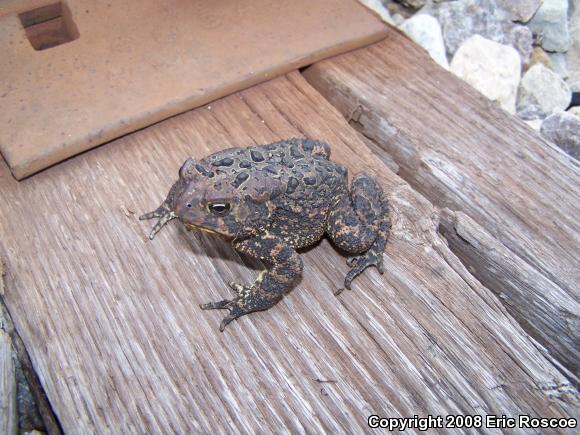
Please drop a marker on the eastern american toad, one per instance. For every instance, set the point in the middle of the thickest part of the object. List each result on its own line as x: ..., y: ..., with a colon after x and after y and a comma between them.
x: 268, y: 201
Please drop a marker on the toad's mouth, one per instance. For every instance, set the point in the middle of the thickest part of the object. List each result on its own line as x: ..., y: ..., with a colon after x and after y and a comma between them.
x: 191, y: 226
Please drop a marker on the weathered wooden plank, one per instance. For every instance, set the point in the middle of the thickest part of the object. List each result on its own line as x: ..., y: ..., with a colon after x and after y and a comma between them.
x: 463, y: 152
x: 498, y: 268
x: 8, y: 415
x: 114, y: 330
x: 8, y: 408
x: 23, y: 403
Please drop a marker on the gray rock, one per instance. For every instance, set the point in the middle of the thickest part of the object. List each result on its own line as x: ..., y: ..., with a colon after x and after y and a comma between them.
x: 413, y: 4
x: 491, y: 68
x: 464, y: 18
x: 531, y: 113
x: 563, y: 129
x: 520, y: 38
x: 28, y: 414
x: 551, y: 25
x: 425, y: 31
x: 519, y: 10
x: 545, y: 88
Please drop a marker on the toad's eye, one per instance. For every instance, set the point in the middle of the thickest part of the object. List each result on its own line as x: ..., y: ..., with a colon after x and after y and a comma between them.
x: 219, y: 208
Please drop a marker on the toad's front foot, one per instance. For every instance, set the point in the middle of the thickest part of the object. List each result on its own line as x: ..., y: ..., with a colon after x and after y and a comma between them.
x: 163, y: 213
x: 359, y: 263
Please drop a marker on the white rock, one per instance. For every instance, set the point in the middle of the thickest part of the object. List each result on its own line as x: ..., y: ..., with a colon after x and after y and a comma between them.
x: 573, y: 53
x: 558, y: 61
x: 426, y: 31
x: 491, y: 68
x: 574, y: 86
x: 545, y: 88
x: 551, y: 25
x: 398, y: 19
x: 536, y: 124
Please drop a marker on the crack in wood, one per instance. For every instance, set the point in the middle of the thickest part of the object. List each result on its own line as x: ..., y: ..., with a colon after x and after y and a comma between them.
x: 29, y: 386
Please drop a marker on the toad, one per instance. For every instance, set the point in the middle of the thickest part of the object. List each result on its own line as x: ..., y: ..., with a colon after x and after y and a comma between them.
x: 268, y: 202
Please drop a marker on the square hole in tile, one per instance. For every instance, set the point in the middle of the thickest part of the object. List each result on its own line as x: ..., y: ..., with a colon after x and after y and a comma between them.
x: 49, y: 26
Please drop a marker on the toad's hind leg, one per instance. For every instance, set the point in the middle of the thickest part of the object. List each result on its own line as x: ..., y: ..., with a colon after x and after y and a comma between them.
x: 359, y: 224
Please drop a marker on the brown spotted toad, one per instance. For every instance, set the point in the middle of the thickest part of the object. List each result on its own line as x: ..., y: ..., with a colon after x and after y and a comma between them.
x: 268, y: 201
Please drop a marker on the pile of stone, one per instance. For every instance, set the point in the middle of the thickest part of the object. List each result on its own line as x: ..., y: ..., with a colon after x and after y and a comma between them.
x: 523, y: 54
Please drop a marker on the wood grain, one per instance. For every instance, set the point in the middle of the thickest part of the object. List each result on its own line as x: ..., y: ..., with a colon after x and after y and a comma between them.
x: 8, y: 409
x: 113, y: 327
x: 8, y: 415
x: 24, y: 402
x: 499, y: 268
x: 463, y: 152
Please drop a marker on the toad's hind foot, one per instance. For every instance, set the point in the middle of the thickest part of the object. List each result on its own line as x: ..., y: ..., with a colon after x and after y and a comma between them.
x: 249, y: 298
x: 359, y: 263
x: 234, y: 306
x: 246, y: 302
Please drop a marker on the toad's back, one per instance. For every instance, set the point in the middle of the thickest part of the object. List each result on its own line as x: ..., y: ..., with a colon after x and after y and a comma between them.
x: 301, y: 165
x: 311, y: 184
